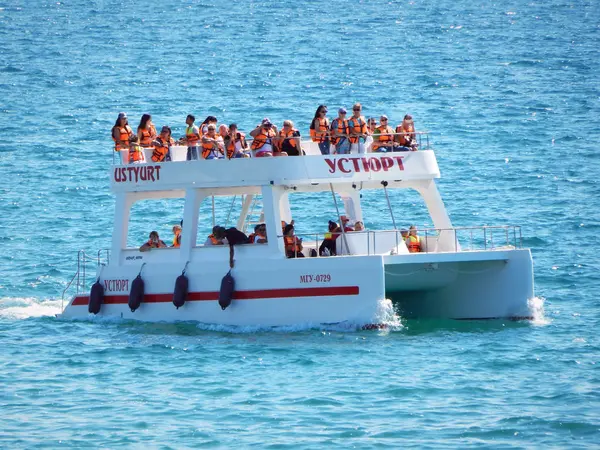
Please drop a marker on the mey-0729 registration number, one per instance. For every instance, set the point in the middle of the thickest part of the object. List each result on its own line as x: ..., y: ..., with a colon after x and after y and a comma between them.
x: 316, y: 278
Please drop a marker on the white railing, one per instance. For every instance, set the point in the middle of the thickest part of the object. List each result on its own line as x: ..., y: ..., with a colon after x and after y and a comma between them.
x: 433, y: 240
x: 179, y: 152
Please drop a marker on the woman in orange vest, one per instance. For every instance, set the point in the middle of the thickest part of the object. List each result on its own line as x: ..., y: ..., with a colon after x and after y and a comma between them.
x: 293, y: 244
x: 146, y: 131
x: 413, y: 242
x: 235, y: 143
x: 162, y: 145
x: 212, y: 144
x: 121, y: 133
x: 383, y: 137
x: 358, y: 130
x: 339, y: 133
x: 288, y: 143
x: 136, y: 154
x: 406, y: 137
x: 264, y: 138
x: 319, y: 129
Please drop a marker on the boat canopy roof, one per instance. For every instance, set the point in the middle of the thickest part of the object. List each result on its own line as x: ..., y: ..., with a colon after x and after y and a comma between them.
x: 303, y: 173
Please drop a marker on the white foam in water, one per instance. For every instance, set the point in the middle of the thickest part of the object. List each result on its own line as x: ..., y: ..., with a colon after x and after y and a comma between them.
x: 385, y: 315
x: 536, y: 307
x: 23, y: 308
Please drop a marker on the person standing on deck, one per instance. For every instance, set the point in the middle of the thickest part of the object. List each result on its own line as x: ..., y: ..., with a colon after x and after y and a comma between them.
x: 146, y: 131
x: 121, y: 133
x: 192, y: 138
x: 358, y: 130
x: 339, y: 133
x: 319, y: 129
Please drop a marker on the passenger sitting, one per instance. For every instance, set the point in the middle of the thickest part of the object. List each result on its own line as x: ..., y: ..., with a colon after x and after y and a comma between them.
x: 192, y: 138
x: 288, y: 143
x: 413, y: 242
x: 235, y: 143
x: 260, y: 234
x: 383, y: 136
x: 345, y: 221
x: 136, y: 154
x: 217, y: 237
x: 327, y: 247
x: 162, y: 146
x: 406, y: 137
x: 153, y: 242
x: 293, y: 244
x: 359, y: 226
x: 371, y: 124
x: 146, y: 131
x: 176, y: 236
x: 404, y: 234
x: 263, y: 135
x: 223, y: 131
x: 212, y: 144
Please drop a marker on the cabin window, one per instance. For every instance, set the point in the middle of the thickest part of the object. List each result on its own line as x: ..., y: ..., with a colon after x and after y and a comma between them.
x: 227, y: 210
x: 154, y: 215
x: 407, y: 205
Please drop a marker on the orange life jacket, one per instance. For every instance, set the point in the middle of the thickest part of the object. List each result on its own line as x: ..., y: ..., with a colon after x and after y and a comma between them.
x: 283, y: 135
x: 413, y: 243
x: 192, y: 135
x: 261, y: 139
x: 161, y: 149
x: 357, y: 126
x: 341, y: 127
x: 320, y: 131
x: 383, y: 137
x: 214, y: 240
x: 124, y: 134
x: 292, y: 244
x: 148, y: 135
x: 177, y: 241
x: 135, y: 153
x: 209, y: 147
x: 240, y: 137
x: 405, y: 140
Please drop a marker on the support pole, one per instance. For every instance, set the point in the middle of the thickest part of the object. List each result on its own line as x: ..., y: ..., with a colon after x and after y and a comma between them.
x: 337, y: 209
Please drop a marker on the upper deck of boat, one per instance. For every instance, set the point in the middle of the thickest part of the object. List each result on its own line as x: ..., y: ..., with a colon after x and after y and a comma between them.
x: 302, y: 173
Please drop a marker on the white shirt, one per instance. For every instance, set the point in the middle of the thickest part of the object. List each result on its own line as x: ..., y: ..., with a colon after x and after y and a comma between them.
x: 209, y: 242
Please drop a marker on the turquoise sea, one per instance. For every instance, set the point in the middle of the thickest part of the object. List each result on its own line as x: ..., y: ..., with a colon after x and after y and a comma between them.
x: 510, y: 93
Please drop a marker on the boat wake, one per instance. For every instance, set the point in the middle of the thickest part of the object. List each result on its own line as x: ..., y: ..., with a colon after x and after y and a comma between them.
x: 536, y: 308
x: 27, y: 307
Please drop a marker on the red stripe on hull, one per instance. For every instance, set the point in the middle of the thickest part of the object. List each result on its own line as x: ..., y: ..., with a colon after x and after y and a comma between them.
x: 238, y: 295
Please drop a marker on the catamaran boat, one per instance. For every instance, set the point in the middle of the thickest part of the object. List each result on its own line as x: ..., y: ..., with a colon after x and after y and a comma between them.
x: 460, y: 273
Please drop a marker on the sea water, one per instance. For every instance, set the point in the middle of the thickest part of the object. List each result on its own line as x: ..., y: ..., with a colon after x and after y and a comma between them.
x: 510, y: 93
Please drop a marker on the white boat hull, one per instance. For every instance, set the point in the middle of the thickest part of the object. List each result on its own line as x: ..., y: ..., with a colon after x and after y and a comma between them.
x: 274, y: 292
x: 464, y: 285
x: 280, y: 292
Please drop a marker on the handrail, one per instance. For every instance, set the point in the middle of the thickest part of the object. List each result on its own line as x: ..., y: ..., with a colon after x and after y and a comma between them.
x: 419, y: 135
x: 62, y: 300
x: 451, y: 243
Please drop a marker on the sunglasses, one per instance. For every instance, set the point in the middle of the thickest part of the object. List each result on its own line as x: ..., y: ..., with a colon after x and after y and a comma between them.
x: 356, y: 110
